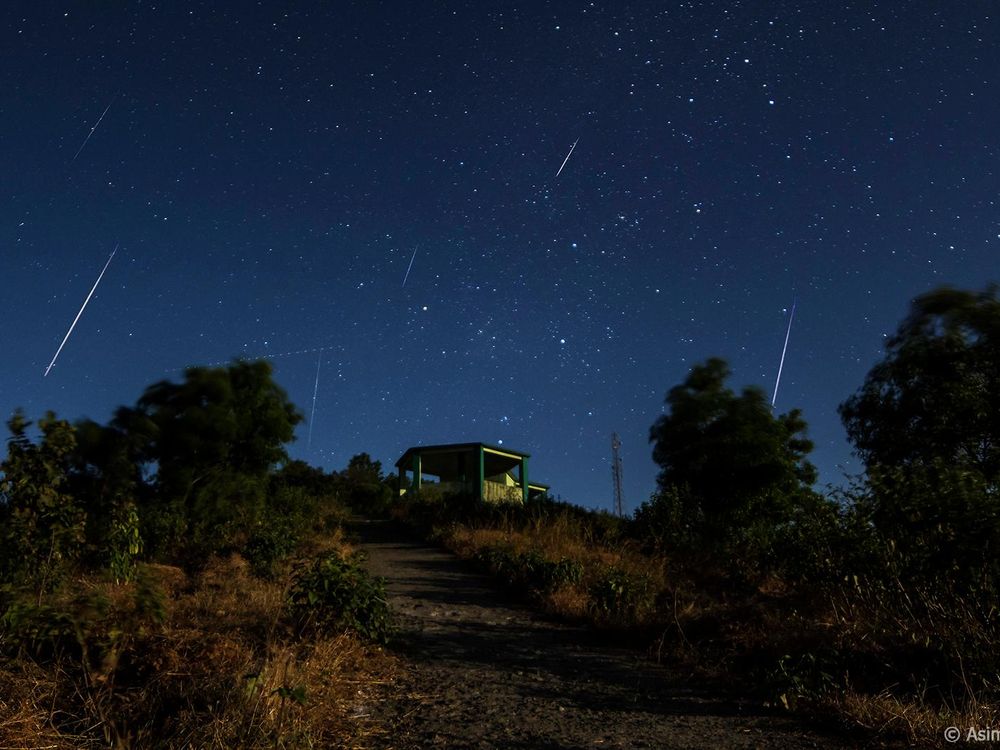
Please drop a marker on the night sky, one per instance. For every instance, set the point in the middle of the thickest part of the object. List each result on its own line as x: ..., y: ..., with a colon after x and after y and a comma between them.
x: 268, y: 173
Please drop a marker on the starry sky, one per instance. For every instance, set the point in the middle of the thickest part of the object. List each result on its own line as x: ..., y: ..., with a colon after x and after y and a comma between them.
x: 269, y: 172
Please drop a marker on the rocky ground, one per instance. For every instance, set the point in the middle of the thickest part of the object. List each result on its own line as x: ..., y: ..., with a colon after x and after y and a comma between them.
x: 480, y: 670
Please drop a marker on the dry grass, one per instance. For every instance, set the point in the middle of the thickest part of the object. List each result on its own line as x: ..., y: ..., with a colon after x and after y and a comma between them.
x: 720, y: 631
x: 562, y: 537
x: 911, y: 718
x: 559, y: 538
x: 223, y: 670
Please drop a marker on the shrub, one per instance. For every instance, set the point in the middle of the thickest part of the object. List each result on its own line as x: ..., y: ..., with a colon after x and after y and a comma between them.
x: 667, y: 521
x: 42, y: 527
x: 331, y: 592
x: 268, y: 545
x: 620, y: 597
x: 97, y: 627
x: 529, y: 570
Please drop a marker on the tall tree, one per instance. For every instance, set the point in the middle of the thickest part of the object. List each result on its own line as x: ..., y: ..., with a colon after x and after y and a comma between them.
x: 926, y: 422
x: 210, y: 442
x: 935, y: 397
x: 734, y: 460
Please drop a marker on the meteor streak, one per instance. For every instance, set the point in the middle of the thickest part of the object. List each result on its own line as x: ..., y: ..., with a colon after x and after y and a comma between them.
x: 567, y: 157
x: 92, y: 131
x: 312, y: 415
x: 407, y: 274
x: 783, y: 350
x: 73, y: 325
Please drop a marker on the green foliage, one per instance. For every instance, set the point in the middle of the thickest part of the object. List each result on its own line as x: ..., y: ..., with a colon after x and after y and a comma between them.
x: 105, y: 480
x: 926, y: 422
x: 621, y: 597
x: 802, y: 676
x: 940, y: 520
x: 123, y: 543
x: 301, y: 500
x: 669, y: 521
x: 530, y: 570
x: 934, y: 395
x: 269, y: 544
x: 94, y: 629
x: 365, y: 487
x: 333, y: 593
x: 41, y: 525
x: 824, y: 543
x: 736, y: 462
x: 596, y: 526
x: 212, y: 441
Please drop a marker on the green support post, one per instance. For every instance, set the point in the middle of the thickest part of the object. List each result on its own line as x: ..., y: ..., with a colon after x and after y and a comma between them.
x: 482, y: 473
x: 524, y: 479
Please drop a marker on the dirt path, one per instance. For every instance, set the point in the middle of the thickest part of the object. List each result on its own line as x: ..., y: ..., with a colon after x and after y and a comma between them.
x: 482, y: 671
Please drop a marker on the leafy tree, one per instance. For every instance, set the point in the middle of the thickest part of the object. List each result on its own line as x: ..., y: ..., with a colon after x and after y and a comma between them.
x: 735, y: 463
x: 926, y: 422
x: 365, y: 485
x: 936, y: 394
x: 41, y: 526
x: 210, y: 442
x: 362, y: 470
x: 310, y: 478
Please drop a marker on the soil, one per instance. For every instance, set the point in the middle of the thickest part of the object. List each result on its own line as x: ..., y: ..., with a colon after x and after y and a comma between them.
x: 479, y: 669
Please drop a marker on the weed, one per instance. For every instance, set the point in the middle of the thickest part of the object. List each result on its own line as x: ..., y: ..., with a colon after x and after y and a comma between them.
x: 621, y: 597
x: 333, y: 593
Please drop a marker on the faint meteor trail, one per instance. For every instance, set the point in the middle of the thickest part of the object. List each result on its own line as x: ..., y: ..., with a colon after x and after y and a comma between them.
x: 407, y: 275
x: 270, y: 356
x: 784, y: 349
x: 73, y: 325
x: 92, y: 131
x: 567, y: 157
x: 312, y: 415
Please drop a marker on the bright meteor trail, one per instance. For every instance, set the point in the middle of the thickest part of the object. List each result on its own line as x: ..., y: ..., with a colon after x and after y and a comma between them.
x: 407, y: 274
x: 567, y: 157
x: 783, y: 350
x: 92, y: 132
x: 73, y: 325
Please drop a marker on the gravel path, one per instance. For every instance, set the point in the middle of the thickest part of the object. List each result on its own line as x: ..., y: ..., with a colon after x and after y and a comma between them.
x: 483, y: 671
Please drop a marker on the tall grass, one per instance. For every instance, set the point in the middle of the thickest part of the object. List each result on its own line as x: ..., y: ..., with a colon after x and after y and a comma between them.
x: 222, y: 667
x: 875, y: 652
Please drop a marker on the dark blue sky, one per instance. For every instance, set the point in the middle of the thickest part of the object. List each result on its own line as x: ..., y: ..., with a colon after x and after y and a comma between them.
x: 269, y: 171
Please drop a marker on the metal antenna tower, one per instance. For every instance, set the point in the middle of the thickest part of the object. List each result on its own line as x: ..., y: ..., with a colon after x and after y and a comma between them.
x: 616, y: 473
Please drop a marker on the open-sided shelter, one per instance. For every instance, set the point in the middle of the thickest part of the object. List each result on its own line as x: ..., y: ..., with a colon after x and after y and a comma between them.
x: 489, y: 472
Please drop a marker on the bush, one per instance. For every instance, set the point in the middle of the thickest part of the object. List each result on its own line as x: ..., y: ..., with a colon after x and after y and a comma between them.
x: 268, y: 545
x: 667, y: 521
x: 334, y: 593
x: 942, y: 522
x: 529, y: 570
x: 42, y: 526
x: 620, y: 597
x: 97, y: 627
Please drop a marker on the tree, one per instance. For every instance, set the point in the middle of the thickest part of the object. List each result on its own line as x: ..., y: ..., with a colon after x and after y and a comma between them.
x: 365, y: 487
x: 210, y: 442
x: 727, y: 457
x: 935, y: 397
x: 41, y: 525
x: 926, y: 422
x: 362, y: 470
